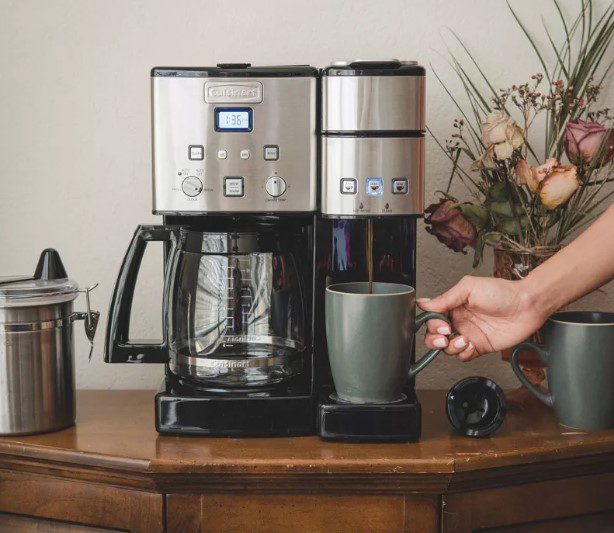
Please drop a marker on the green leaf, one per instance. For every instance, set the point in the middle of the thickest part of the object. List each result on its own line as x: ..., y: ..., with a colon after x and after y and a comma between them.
x: 497, y: 192
x: 535, y: 47
x: 509, y: 226
x: 476, y: 214
x: 503, y: 209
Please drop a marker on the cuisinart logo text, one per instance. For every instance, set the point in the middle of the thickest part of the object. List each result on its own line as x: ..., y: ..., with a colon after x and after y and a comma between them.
x: 237, y: 93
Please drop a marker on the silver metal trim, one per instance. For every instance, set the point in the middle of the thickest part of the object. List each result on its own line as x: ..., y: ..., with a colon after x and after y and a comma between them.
x: 40, y: 326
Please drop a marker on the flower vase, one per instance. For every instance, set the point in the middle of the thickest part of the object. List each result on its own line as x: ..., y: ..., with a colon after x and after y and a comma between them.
x: 515, y: 265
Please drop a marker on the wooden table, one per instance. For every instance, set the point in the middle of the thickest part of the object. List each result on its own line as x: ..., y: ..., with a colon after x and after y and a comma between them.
x: 113, y: 470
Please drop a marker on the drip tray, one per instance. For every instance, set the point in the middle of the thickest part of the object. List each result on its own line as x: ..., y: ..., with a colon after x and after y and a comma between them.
x: 394, y: 422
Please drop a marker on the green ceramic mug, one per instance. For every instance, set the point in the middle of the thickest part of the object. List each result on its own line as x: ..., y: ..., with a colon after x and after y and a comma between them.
x: 579, y: 353
x: 370, y: 339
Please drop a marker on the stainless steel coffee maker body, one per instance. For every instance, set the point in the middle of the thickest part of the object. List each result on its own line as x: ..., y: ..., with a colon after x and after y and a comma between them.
x: 372, y: 194
x: 235, y: 168
x: 234, y: 140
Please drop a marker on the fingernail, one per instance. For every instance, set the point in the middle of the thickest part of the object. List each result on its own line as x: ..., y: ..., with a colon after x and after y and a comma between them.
x: 470, y: 347
x: 459, y: 343
x: 444, y: 330
x: 440, y: 343
x: 420, y: 300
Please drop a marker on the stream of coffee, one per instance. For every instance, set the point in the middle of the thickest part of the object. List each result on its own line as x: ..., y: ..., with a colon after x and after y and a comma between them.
x: 370, y: 253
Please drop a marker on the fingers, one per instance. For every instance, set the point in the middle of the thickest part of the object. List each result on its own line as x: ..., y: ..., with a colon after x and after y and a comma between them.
x: 456, y: 296
x: 438, y: 326
x: 459, y: 345
x: 468, y: 353
x: 434, y: 341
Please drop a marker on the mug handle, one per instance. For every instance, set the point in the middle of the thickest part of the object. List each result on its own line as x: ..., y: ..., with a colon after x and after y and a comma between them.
x: 542, y: 355
x: 421, y: 363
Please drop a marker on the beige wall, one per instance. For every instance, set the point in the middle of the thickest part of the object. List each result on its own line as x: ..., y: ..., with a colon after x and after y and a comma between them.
x: 74, y: 123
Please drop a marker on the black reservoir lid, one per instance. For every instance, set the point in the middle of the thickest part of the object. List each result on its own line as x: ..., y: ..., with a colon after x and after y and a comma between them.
x: 236, y: 70
x: 374, y: 67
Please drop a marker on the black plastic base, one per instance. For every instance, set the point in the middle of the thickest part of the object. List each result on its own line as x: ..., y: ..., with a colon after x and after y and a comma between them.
x: 395, y: 422
x: 234, y: 416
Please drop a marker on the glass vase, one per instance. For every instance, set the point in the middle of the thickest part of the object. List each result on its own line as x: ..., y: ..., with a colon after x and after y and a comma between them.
x: 516, y: 265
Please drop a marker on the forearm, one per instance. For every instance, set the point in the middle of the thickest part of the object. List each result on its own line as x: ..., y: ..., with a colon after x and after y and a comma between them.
x: 584, y: 265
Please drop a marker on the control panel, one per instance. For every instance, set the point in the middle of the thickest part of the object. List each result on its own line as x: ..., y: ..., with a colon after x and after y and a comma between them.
x: 233, y: 144
x: 372, y: 176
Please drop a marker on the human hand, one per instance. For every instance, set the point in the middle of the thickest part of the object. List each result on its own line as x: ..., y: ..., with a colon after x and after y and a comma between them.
x: 487, y: 314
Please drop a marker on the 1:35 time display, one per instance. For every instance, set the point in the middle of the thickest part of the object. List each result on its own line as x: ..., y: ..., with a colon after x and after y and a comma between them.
x: 234, y: 119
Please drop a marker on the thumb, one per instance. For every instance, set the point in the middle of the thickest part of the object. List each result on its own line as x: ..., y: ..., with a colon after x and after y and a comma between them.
x: 455, y: 297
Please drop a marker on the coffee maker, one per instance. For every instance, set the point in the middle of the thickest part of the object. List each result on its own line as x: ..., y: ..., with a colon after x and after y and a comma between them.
x: 235, y: 180
x: 372, y: 180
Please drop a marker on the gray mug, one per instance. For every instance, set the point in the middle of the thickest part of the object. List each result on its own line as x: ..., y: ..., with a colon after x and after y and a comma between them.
x: 579, y: 353
x: 370, y: 339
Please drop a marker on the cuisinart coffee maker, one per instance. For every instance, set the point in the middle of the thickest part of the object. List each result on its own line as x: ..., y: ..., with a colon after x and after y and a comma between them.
x: 238, y: 179
x: 372, y: 187
x: 235, y: 178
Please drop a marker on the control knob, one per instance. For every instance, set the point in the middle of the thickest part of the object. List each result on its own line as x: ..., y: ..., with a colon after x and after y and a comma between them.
x: 192, y: 186
x: 275, y: 186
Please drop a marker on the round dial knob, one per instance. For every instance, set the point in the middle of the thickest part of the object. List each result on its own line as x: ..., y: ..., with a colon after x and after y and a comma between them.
x: 192, y: 186
x: 275, y: 186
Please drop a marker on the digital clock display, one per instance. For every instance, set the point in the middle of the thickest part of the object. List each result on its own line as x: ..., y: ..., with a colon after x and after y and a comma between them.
x: 233, y: 119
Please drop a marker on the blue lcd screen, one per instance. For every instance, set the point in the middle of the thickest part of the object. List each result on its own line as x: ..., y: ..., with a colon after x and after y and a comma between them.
x: 233, y: 119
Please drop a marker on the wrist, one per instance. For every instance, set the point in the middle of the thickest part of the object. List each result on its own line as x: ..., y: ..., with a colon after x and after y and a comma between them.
x: 538, y: 296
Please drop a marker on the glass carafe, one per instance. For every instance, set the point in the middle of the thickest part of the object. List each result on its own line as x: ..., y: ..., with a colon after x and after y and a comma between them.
x: 234, y: 309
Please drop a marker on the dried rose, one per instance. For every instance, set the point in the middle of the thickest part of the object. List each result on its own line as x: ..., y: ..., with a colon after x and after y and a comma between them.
x: 540, y: 173
x: 502, y: 134
x: 524, y: 173
x: 449, y: 225
x: 558, y: 186
x: 584, y: 140
x: 533, y: 176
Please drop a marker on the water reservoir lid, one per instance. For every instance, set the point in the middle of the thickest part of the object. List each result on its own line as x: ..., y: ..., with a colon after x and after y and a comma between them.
x: 373, y: 67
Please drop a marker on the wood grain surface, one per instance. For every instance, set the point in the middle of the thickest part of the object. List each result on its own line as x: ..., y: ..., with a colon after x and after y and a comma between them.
x: 115, y: 441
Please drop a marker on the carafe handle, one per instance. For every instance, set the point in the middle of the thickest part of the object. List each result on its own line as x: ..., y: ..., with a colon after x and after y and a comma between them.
x: 118, y: 348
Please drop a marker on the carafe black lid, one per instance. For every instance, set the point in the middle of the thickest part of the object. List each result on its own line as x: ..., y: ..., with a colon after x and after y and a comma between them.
x: 476, y: 406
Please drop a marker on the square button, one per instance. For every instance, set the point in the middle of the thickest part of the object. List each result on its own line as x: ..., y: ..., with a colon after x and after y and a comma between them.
x: 245, y: 154
x: 222, y: 154
x: 400, y: 186
x: 271, y: 152
x: 348, y: 186
x: 196, y: 152
x: 233, y: 186
x: 375, y: 186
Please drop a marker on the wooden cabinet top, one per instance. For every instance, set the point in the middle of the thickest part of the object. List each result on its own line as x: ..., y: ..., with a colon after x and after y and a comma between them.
x: 116, y: 429
x: 114, y: 440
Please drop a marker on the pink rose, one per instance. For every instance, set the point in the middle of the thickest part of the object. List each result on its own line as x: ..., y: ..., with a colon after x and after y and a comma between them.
x: 449, y: 225
x: 583, y: 140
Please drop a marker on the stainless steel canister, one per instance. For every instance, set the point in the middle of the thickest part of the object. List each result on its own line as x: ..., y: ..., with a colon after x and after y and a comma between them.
x: 37, y: 383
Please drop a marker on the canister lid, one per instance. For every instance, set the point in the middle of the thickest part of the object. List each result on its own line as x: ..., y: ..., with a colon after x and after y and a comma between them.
x: 49, y: 284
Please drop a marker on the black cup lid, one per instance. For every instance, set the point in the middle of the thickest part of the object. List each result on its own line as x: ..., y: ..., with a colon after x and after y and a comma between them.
x: 476, y: 406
